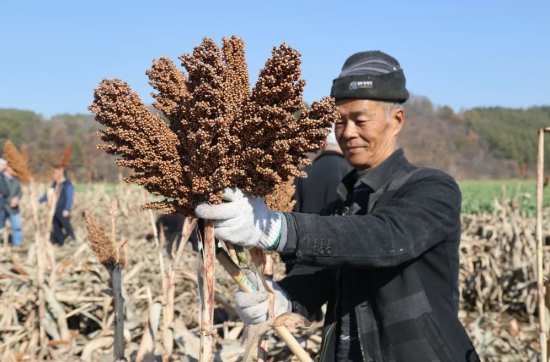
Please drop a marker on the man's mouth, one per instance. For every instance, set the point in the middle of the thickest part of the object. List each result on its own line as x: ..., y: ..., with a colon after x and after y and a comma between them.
x: 354, y: 149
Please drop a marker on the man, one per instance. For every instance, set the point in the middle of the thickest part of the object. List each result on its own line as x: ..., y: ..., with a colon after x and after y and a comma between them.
x: 10, y: 188
x: 389, y: 257
x: 323, y: 177
x: 64, y: 191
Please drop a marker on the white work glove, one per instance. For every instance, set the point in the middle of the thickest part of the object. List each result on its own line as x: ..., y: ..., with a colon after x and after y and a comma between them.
x: 253, y: 308
x: 244, y: 221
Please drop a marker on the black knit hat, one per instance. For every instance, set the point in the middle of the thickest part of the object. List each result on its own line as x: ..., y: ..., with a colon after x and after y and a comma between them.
x: 371, y: 75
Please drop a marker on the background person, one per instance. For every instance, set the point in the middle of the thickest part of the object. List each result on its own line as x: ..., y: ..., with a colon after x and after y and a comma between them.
x: 323, y: 177
x: 64, y: 191
x: 10, y: 188
x: 172, y: 226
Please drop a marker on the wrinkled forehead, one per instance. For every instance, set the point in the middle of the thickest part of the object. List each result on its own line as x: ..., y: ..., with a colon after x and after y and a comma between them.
x: 354, y: 107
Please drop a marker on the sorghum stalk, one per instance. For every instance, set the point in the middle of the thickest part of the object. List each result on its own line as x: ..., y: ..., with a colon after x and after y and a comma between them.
x: 118, y: 304
x: 206, y: 279
x: 107, y: 255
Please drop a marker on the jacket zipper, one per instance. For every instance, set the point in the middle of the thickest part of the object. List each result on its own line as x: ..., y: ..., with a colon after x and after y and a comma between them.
x: 346, y: 212
x: 331, y: 328
x: 359, y: 330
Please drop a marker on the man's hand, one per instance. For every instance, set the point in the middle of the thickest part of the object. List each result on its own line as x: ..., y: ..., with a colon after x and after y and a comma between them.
x: 14, y: 202
x: 66, y: 213
x: 253, y: 308
x: 243, y: 220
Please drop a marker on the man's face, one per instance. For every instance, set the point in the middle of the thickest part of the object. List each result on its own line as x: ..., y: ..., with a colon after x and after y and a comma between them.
x: 57, y: 174
x: 364, y: 133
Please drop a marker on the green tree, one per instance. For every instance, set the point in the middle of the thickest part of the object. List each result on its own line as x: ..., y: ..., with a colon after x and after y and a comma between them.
x: 512, y: 133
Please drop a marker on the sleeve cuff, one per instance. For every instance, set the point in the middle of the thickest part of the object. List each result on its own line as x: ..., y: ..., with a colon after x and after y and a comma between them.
x: 287, y: 246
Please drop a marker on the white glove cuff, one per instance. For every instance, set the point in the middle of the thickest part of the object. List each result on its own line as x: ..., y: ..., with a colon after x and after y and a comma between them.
x: 271, y: 237
x: 284, y: 234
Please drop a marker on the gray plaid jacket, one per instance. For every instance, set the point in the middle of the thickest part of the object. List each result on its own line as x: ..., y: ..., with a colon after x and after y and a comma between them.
x: 398, y: 251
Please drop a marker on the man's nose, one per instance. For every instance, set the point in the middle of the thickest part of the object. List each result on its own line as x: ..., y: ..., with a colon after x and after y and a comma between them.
x: 350, y: 131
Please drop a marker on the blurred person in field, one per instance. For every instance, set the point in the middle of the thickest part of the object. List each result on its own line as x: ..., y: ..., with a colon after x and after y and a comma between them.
x: 64, y: 191
x: 323, y: 177
x: 172, y: 227
x: 10, y: 188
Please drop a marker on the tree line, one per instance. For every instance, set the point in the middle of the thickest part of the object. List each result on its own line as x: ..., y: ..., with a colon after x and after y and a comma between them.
x: 491, y: 142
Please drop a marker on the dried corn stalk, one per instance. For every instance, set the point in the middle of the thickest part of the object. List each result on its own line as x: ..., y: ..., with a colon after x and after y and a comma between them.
x: 497, y: 274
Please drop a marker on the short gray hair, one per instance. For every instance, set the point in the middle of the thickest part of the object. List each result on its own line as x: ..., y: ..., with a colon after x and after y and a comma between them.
x: 389, y: 107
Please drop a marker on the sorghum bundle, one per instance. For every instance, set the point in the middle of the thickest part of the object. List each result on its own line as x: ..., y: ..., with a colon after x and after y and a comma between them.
x: 221, y: 133
x: 16, y: 162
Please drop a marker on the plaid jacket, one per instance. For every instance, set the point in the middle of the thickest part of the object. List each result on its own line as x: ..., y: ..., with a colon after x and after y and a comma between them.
x: 399, y: 254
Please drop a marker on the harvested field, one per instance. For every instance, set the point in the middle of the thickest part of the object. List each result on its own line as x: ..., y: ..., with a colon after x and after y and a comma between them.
x: 498, y: 304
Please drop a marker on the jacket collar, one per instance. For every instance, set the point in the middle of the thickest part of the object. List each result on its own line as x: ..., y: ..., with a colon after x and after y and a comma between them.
x: 374, y: 178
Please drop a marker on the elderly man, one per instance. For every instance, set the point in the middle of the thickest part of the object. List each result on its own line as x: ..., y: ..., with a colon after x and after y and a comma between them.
x: 388, y: 247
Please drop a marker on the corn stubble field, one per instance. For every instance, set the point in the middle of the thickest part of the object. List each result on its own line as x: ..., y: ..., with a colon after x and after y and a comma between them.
x: 498, y: 304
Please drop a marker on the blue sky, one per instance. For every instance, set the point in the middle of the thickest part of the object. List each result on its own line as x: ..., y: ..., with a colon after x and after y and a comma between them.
x: 462, y: 54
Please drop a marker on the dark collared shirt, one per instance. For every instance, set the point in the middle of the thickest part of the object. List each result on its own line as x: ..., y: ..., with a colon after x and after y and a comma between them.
x: 364, y: 184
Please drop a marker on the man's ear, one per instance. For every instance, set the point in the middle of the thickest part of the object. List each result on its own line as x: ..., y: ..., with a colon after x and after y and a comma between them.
x: 398, y: 118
